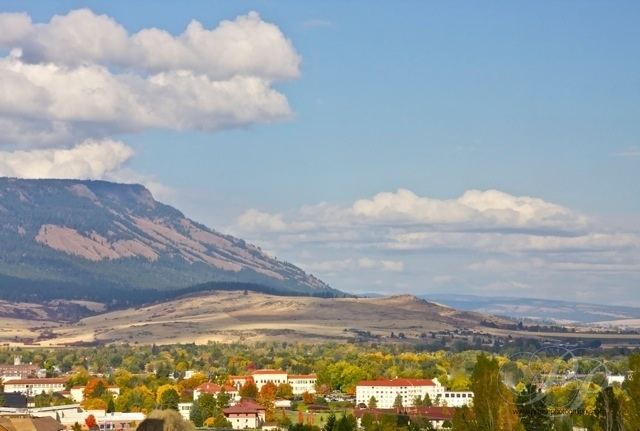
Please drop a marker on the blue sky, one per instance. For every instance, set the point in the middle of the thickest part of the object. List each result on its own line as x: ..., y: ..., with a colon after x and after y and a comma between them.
x: 533, y: 99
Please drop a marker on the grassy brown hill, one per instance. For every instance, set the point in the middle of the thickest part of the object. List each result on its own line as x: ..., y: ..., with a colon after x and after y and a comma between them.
x: 235, y: 316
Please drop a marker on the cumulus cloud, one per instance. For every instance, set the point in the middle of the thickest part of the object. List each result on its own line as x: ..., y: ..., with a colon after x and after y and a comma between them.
x: 475, y: 209
x: 479, y: 241
x: 244, y: 46
x: 91, y: 159
x: 83, y: 75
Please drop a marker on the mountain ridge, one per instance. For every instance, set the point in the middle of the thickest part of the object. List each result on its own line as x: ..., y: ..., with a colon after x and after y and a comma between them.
x: 88, y: 234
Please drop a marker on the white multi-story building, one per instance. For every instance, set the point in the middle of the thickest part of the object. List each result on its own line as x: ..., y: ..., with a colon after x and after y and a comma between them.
x: 33, y: 387
x: 386, y: 391
x: 300, y: 383
x: 215, y: 389
x: 261, y: 377
x: 456, y: 398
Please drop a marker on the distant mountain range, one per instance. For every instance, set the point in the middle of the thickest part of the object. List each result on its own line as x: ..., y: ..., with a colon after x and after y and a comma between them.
x: 77, y: 239
x: 539, y: 309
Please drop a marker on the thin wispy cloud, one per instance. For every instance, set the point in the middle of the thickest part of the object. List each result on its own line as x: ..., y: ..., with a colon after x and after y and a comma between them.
x: 629, y: 152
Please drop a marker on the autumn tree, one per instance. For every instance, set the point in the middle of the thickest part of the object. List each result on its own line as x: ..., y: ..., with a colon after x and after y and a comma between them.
x: 308, y: 398
x: 493, y: 405
x: 249, y: 390
x: 169, y: 399
x: 95, y: 388
x: 285, y: 391
x: 90, y: 422
x: 267, y: 399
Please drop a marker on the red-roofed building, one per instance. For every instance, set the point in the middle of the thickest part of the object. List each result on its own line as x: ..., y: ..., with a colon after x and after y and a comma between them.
x: 300, y: 383
x: 215, y: 389
x: 245, y: 414
x: 33, y: 387
x: 262, y: 377
x: 385, y: 391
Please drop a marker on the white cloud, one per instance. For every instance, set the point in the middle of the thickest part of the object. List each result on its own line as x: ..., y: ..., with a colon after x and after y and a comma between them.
x: 91, y: 159
x: 488, y: 239
x: 629, y: 152
x: 254, y: 220
x: 474, y: 208
x: 83, y: 75
x: 245, y: 46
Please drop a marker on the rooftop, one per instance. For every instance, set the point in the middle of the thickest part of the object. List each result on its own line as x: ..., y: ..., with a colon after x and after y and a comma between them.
x: 244, y: 406
x: 397, y: 382
x: 45, y: 381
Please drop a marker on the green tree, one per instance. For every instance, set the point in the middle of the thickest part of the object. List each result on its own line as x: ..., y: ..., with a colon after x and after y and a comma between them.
x: 330, y: 424
x: 223, y: 398
x: 285, y: 391
x: 195, y: 415
x: 631, y: 386
x: 208, y: 405
x: 532, y: 409
x: 249, y: 390
x: 169, y: 400
x: 397, y: 403
x: 221, y: 422
x: 493, y: 406
x: 608, y: 410
x: 111, y: 406
x: 373, y: 403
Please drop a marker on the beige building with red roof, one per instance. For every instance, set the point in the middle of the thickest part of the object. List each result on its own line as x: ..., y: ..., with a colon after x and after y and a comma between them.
x: 300, y: 383
x: 33, y: 387
x: 245, y: 414
x: 215, y: 389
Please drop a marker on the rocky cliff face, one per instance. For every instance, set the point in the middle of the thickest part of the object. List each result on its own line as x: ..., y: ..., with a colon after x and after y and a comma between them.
x: 96, y: 234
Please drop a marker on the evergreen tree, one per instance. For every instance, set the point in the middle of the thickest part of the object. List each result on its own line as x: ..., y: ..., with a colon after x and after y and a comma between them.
x: 397, y: 403
x: 631, y: 386
x: 608, y: 410
x: 111, y: 406
x: 493, y: 406
x: 532, y: 409
x: 373, y: 403
x: 330, y: 424
x: 196, y: 414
